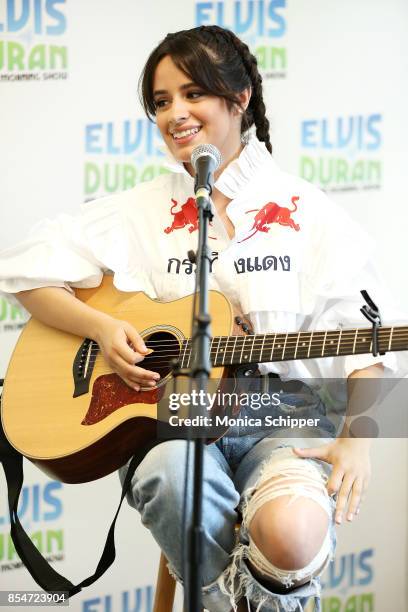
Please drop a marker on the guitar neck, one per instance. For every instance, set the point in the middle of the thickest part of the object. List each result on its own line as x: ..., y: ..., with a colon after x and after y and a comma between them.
x: 264, y: 348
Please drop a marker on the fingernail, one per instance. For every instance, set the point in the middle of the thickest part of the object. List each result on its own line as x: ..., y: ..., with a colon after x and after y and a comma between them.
x: 350, y: 516
x: 358, y: 510
x: 338, y: 519
x: 156, y: 376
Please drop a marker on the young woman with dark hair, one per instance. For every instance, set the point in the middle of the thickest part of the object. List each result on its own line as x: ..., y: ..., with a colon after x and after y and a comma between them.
x: 279, y: 259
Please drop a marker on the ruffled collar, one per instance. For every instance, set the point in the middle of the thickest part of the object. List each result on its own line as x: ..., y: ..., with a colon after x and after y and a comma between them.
x: 237, y: 174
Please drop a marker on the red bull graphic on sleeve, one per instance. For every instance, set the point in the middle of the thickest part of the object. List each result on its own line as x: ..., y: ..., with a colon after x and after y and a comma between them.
x: 185, y: 217
x: 272, y: 213
x: 262, y: 24
x: 32, y: 40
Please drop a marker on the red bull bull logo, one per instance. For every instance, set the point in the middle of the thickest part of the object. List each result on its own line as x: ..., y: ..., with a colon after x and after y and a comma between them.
x: 187, y: 216
x: 272, y: 213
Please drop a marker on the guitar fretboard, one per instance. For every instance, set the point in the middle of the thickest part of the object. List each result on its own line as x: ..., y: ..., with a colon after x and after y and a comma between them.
x: 262, y: 348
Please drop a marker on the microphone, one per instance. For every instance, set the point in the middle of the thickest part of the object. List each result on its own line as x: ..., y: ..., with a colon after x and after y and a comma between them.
x: 205, y: 160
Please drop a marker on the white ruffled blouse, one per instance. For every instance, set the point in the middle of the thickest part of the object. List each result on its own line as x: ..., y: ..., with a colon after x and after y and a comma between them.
x: 297, y: 267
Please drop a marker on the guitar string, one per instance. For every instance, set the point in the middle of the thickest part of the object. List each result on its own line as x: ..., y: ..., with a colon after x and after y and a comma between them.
x: 186, y: 359
x: 264, y: 346
x: 303, y: 353
x: 293, y: 335
x: 292, y: 338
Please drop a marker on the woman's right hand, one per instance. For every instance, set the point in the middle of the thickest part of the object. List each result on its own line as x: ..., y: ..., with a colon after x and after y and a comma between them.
x: 122, y: 348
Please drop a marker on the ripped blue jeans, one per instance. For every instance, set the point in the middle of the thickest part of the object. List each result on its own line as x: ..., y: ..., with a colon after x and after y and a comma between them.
x: 233, y: 468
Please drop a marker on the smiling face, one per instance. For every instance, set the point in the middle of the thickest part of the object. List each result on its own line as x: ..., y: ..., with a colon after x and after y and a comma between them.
x: 188, y: 116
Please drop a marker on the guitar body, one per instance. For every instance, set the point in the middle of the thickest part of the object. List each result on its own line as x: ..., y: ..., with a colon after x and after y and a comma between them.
x: 63, y: 407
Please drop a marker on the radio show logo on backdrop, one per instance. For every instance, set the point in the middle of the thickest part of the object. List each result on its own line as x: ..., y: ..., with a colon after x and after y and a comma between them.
x: 40, y: 511
x: 136, y: 600
x: 119, y: 154
x: 343, y: 153
x: 32, y: 40
x: 12, y: 317
x: 262, y: 24
x: 346, y: 583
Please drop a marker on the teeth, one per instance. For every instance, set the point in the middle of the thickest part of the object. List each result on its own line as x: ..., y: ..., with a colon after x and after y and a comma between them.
x: 185, y: 133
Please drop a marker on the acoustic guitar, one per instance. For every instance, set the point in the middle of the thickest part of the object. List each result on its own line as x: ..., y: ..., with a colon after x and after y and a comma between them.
x: 65, y: 410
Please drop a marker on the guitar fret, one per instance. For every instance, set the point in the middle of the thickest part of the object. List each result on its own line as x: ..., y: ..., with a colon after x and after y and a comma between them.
x: 355, y: 340
x: 273, y: 346
x: 229, y: 349
x: 324, y: 343
x: 315, y: 349
x: 297, y: 343
x: 183, y: 359
x: 224, y: 349
x: 262, y: 347
x: 284, y: 346
x: 363, y: 341
x: 331, y: 344
x: 302, y: 347
x: 216, y: 350
x: 233, y: 350
x: 281, y: 344
x: 338, y: 343
x: 253, y: 344
x: 390, y: 340
x: 243, y: 348
x: 310, y: 344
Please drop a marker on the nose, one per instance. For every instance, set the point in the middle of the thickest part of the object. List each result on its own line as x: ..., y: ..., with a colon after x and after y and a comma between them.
x: 179, y: 110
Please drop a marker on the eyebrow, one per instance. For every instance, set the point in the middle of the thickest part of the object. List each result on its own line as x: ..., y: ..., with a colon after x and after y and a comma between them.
x: 160, y: 92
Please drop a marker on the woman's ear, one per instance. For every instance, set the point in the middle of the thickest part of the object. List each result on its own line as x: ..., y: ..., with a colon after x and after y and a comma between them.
x: 244, y: 98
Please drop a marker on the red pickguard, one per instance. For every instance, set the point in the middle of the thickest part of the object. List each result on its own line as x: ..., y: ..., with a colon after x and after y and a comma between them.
x: 110, y: 393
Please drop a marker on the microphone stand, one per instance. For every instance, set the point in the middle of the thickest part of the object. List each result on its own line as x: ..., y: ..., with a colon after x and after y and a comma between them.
x: 200, y: 373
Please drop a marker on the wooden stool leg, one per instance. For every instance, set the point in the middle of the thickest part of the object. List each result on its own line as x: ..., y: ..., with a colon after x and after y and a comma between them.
x: 165, y: 588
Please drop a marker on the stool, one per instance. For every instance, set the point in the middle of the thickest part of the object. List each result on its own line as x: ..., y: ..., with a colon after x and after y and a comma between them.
x: 165, y: 588
x: 166, y: 584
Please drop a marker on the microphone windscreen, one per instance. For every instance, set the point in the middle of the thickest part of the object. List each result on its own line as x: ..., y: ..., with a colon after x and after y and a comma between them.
x: 205, y: 149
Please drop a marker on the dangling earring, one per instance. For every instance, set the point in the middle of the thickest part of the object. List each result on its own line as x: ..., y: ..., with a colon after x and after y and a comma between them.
x: 245, y: 133
x: 245, y: 138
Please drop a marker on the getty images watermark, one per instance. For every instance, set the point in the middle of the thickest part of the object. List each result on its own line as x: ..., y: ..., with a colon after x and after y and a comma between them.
x: 183, y: 408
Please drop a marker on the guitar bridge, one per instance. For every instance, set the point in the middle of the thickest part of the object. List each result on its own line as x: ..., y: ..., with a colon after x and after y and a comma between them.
x: 83, y: 366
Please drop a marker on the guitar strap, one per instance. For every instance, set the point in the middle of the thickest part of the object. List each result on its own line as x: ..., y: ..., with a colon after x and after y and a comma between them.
x: 41, y: 571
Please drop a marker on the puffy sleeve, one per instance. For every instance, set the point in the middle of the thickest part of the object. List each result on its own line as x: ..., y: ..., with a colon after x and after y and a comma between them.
x: 341, y: 264
x: 68, y: 251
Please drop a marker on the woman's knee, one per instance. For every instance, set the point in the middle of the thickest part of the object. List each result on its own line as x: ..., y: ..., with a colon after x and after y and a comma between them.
x: 289, y: 536
x: 288, y: 518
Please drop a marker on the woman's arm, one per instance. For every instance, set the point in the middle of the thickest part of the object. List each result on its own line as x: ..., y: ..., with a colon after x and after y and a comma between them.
x: 121, y: 345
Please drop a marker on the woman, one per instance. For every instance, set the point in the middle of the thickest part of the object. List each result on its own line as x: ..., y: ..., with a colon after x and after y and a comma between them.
x: 283, y: 270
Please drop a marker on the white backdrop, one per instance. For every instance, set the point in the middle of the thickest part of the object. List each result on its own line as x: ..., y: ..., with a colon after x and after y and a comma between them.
x: 336, y: 92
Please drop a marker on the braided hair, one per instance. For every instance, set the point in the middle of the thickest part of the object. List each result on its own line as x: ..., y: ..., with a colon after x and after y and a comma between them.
x: 218, y: 62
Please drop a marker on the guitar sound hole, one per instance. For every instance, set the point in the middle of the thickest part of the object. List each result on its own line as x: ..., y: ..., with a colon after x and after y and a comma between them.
x: 166, y: 347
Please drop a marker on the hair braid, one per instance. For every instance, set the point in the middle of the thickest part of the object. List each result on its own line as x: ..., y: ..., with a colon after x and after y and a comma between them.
x: 256, y: 111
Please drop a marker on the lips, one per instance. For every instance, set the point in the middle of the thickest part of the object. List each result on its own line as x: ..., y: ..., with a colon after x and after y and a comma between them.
x: 186, y: 133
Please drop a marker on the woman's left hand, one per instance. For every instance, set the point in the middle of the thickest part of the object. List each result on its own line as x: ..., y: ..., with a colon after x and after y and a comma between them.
x: 350, y: 458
